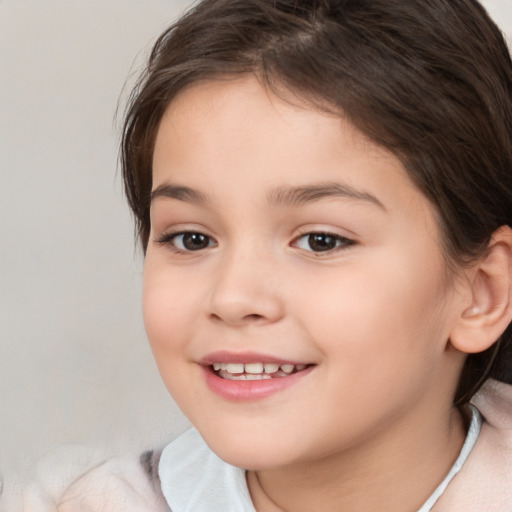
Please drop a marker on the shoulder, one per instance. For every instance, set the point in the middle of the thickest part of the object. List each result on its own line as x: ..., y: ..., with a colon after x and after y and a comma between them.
x: 494, y: 401
x: 485, y: 481
x: 73, y: 479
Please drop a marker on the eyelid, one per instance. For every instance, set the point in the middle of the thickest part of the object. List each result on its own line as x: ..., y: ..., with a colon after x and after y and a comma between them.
x: 167, y: 239
x: 346, y: 242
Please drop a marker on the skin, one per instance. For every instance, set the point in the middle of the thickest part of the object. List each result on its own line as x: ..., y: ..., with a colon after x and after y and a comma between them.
x: 371, y: 426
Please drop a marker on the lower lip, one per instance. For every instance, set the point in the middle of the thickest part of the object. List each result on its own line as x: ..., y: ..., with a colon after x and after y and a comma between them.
x: 249, y: 390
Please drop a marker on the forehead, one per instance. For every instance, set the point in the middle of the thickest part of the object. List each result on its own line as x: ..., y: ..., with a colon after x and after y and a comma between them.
x: 243, y: 108
x: 225, y: 134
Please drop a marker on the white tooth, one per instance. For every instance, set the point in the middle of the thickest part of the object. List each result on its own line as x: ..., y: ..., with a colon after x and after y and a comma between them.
x: 223, y: 366
x: 287, y: 368
x: 217, y: 366
x: 253, y: 367
x: 271, y: 367
x: 245, y: 376
x: 301, y: 367
x: 235, y: 368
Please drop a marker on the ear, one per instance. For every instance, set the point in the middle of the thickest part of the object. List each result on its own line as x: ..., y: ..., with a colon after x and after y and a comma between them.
x: 484, y: 320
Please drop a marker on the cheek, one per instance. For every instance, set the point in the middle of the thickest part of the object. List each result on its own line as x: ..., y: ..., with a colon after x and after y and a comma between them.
x: 378, y: 318
x: 165, y: 311
x: 169, y: 320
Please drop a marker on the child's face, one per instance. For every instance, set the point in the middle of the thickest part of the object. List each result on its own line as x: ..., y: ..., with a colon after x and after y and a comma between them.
x: 365, y: 303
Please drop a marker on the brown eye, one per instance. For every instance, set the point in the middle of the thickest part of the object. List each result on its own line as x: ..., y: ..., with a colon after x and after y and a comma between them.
x: 195, y: 241
x: 322, y: 242
x: 188, y: 241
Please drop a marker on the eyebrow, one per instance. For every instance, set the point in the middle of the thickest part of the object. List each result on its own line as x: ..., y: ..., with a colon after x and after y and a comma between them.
x: 294, y: 196
x: 311, y: 193
x: 179, y: 192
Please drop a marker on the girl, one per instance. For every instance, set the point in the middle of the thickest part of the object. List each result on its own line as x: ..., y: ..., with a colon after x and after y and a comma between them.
x: 323, y: 193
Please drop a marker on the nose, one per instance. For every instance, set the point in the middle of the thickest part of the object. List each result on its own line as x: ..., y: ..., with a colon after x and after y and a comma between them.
x: 246, y: 291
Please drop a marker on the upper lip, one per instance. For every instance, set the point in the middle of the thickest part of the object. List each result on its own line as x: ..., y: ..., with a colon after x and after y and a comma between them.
x: 224, y: 356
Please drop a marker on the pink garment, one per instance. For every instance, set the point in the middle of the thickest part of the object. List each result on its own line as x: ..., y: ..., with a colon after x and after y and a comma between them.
x: 77, y: 481
x: 484, y: 484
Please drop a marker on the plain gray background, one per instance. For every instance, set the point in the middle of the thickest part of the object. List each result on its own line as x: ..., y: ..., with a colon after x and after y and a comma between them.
x: 75, y: 366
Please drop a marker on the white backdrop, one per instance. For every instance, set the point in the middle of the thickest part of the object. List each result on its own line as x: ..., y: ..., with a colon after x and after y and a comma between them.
x: 74, y: 363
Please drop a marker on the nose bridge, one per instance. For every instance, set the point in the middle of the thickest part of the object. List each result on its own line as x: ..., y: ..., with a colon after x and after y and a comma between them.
x: 246, y: 286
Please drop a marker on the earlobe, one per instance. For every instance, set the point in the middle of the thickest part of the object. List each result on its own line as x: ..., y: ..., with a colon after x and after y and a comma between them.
x: 483, y: 321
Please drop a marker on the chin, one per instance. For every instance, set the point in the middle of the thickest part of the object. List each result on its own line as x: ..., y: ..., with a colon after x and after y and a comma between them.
x: 254, y: 454
x: 256, y: 460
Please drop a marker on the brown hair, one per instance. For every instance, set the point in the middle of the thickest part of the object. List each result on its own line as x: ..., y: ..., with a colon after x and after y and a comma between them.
x: 430, y: 80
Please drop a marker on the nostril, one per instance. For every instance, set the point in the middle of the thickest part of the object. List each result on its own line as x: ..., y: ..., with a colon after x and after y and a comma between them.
x: 240, y: 308
x: 253, y: 316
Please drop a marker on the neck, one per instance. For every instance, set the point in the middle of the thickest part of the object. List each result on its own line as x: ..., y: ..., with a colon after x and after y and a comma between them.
x: 395, y: 471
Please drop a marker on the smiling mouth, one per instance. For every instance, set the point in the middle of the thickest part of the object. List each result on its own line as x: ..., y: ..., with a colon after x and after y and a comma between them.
x: 256, y: 371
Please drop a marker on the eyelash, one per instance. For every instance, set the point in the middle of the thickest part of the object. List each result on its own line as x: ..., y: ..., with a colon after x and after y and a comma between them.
x: 168, y: 239
x: 340, y: 242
